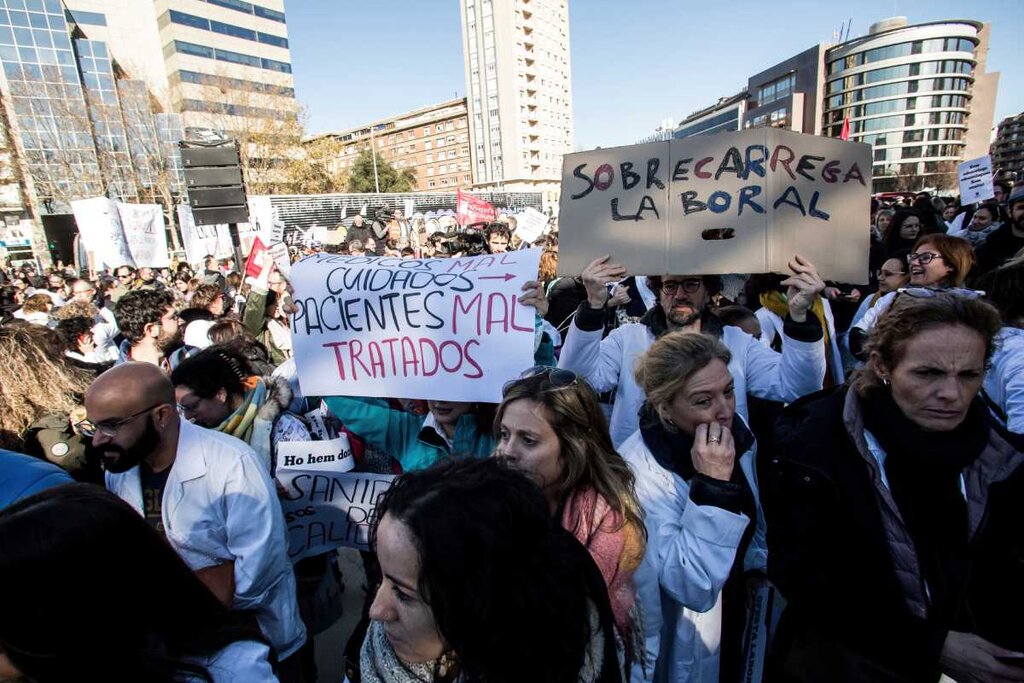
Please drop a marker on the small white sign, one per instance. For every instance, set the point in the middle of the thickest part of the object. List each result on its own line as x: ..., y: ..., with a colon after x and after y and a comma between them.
x: 530, y: 225
x: 976, y: 180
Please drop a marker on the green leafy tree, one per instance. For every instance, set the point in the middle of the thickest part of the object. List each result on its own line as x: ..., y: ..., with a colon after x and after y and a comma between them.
x: 390, y: 178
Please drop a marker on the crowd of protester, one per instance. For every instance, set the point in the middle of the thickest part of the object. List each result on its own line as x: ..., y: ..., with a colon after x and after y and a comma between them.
x: 703, y: 475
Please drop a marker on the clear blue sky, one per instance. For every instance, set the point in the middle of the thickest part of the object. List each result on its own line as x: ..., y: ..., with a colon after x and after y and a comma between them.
x: 634, y: 63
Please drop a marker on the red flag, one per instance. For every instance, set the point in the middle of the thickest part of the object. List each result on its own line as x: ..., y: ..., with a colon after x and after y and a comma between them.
x: 470, y: 210
x: 844, y: 134
x: 254, y: 264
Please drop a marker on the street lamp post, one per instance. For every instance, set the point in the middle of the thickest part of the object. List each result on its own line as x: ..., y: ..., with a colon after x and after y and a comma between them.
x: 373, y: 151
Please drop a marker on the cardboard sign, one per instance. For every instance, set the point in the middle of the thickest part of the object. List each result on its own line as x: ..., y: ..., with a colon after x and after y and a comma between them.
x: 530, y: 225
x: 742, y: 202
x: 99, y: 224
x: 254, y: 264
x: 143, y: 226
x: 203, y: 240
x: 976, y: 180
x: 325, y: 510
x: 470, y: 209
x: 450, y: 329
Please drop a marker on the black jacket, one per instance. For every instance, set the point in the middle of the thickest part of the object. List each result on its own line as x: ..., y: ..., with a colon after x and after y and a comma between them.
x: 838, y: 553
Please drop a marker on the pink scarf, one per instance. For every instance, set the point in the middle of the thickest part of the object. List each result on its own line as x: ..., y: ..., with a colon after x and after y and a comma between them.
x: 615, y: 547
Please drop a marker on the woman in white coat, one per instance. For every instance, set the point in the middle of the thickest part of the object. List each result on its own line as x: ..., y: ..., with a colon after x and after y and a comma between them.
x: 693, y: 458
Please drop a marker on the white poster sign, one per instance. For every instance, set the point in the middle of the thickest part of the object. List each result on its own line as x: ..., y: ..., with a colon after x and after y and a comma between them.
x: 99, y: 224
x: 143, y: 226
x: 976, y: 180
x: 530, y: 225
x: 279, y: 252
x: 450, y: 329
x: 203, y: 240
x: 329, y: 456
x: 409, y: 208
x: 325, y: 509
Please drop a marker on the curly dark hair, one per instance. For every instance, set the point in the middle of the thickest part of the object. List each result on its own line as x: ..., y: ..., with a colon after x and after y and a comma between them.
x: 529, y: 602
x: 141, y: 307
x: 70, y: 329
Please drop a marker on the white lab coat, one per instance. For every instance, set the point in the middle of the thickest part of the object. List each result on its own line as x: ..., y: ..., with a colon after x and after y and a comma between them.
x: 243, y: 661
x: 771, y: 326
x: 219, y: 506
x: 690, y: 552
x: 608, y: 364
x: 1004, y: 381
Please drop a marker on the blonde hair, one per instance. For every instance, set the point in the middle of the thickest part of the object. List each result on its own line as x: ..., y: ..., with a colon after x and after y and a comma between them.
x: 671, y: 361
x: 76, y: 309
x: 548, y: 265
x: 33, y: 382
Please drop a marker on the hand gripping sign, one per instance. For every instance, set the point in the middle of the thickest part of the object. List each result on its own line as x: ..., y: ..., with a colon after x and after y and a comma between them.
x: 445, y: 329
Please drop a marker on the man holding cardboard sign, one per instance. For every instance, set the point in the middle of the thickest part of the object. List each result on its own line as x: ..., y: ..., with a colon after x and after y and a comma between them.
x: 608, y: 364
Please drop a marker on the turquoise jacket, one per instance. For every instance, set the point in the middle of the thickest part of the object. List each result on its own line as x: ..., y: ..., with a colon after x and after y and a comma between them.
x: 402, y: 434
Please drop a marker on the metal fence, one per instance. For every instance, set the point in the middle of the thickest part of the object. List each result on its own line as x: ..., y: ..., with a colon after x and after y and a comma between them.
x: 304, y: 211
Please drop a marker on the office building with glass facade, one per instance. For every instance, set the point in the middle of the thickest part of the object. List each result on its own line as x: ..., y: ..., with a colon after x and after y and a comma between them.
x: 919, y: 94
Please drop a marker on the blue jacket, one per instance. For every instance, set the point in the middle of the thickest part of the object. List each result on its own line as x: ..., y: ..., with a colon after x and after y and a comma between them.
x: 404, y: 435
x: 22, y: 476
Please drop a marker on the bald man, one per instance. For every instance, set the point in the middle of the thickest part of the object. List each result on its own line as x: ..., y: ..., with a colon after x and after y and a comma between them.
x: 207, y: 493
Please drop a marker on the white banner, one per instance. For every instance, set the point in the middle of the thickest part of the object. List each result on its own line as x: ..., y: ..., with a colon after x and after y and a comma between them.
x: 99, y: 224
x: 143, y: 226
x: 325, y: 506
x: 975, y: 178
x: 203, y: 240
x: 446, y: 329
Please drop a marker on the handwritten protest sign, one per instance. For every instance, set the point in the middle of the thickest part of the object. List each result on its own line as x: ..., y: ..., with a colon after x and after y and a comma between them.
x: 143, y: 226
x: 326, y: 505
x: 203, y: 240
x: 450, y: 329
x: 99, y: 224
x: 975, y: 178
x: 740, y: 202
x: 530, y: 225
x: 279, y: 252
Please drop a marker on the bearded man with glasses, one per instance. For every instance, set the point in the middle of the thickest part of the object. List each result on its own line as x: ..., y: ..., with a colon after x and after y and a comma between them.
x: 206, y: 492
x: 682, y: 305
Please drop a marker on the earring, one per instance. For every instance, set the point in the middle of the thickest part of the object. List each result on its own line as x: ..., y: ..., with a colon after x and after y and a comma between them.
x: 885, y: 381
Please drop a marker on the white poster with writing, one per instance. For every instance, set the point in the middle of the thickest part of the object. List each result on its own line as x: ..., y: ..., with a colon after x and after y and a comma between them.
x: 203, y: 240
x: 326, y: 506
x: 975, y: 178
x: 445, y: 329
x: 99, y: 224
x: 144, y: 231
x: 530, y: 225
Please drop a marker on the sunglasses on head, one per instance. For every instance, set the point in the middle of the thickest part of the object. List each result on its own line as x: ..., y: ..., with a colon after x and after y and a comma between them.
x: 557, y: 378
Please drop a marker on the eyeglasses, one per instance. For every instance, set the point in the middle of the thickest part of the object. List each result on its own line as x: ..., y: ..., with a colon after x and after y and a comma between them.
x: 690, y: 285
x: 89, y: 429
x: 125, y: 276
x: 924, y: 258
x: 929, y: 292
x: 557, y: 378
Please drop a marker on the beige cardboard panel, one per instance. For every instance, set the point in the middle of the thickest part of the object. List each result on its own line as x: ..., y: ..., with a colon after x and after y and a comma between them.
x: 770, y: 208
x: 586, y: 224
x: 710, y: 175
x: 838, y: 246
